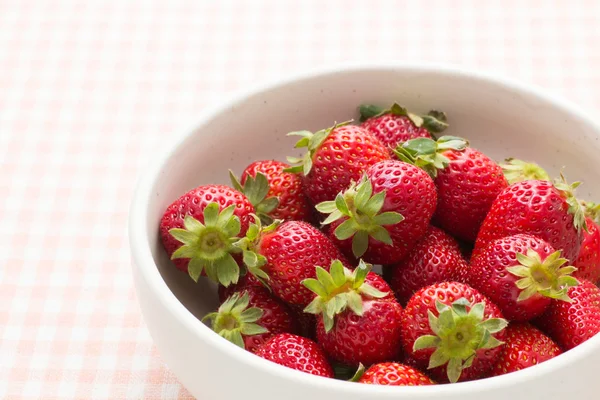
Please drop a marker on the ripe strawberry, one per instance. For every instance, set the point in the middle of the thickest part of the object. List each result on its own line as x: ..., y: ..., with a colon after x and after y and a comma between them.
x: 539, y: 208
x: 336, y: 157
x: 525, y: 346
x: 396, y: 125
x: 453, y: 330
x: 198, y: 231
x: 517, y: 171
x: 588, y: 259
x: 394, y: 374
x: 572, y: 323
x: 359, y: 319
x: 275, y: 194
x: 467, y: 181
x: 249, y: 318
x: 296, y: 352
x: 385, y: 214
x: 285, y: 254
x: 245, y: 281
x: 521, y: 274
x: 435, y: 258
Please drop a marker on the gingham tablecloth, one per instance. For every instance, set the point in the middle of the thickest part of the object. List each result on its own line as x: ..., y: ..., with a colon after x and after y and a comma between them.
x: 89, y: 91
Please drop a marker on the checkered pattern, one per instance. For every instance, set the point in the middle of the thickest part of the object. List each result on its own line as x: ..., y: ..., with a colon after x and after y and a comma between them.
x: 89, y: 91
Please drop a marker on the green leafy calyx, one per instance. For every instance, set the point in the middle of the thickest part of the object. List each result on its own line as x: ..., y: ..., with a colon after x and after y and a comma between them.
x: 518, y: 171
x: 575, y: 206
x: 434, y: 121
x: 548, y: 278
x: 338, y: 290
x: 312, y: 141
x: 428, y: 154
x: 459, y: 331
x: 363, y: 219
x: 256, y: 188
x: 249, y: 245
x: 234, y: 319
x: 209, y: 245
x: 592, y: 210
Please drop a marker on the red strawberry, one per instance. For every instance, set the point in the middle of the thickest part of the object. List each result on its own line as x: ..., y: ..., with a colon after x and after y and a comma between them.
x: 336, y: 157
x: 588, y: 259
x: 359, y: 319
x: 525, y: 346
x: 275, y: 194
x: 298, y: 353
x: 384, y: 215
x: 249, y: 318
x: 521, y: 274
x: 467, y: 181
x: 435, y: 258
x: 396, y: 125
x: 198, y: 231
x: 571, y: 324
x: 286, y: 254
x: 539, y: 208
x: 453, y: 330
x: 394, y: 374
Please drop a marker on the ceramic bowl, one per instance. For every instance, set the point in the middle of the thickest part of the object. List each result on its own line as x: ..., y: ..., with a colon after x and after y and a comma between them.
x: 498, y: 116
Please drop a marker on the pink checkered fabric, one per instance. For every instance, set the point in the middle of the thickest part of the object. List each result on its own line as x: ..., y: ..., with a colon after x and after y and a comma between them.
x: 89, y: 92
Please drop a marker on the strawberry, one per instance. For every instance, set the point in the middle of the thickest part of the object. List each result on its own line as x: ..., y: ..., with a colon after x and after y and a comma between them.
x: 572, y: 323
x: 524, y: 347
x: 274, y: 193
x: 588, y: 259
x: 539, y: 208
x: 435, y: 258
x: 453, y: 330
x: 394, y: 374
x: 249, y: 318
x: 467, y: 181
x: 296, y: 352
x: 284, y: 254
x: 396, y: 125
x: 336, y: 157
x: 359, y: 319
x: 384, y: 215
x: 517, y: 171
x: 521, y: 274
x: 198, y: 231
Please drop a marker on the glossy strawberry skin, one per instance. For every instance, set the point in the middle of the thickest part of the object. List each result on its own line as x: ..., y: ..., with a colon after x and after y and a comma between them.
x: 588, y: 260
x: 342, y: 158
x: 293, y: 251
x: 193, y: 203
x: 532, y: 207
x: 286, y: 186
x: 298, y: 353
x: 467, y: 188
x: 392, y: 129
x: 488, y: 274
x: 410, y: 192
x: 525, y: 347
x: 394, y: 374
x: 415, y: 323
x: 435, y: 258
x: 277, y: 317
x: 371, y: 338
x: 571, y: 324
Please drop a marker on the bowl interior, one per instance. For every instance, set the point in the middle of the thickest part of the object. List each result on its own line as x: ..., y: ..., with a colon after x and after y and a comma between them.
x: 497, y: 118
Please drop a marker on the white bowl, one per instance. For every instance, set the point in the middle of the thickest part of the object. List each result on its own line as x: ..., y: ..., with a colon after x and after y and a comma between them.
x: 498, y: 116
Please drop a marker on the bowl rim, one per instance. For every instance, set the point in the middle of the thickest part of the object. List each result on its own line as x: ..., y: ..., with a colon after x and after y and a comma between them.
x: 145, y: 264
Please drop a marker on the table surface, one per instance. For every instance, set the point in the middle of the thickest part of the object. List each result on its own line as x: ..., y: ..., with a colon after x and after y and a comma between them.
x: 90, y: 92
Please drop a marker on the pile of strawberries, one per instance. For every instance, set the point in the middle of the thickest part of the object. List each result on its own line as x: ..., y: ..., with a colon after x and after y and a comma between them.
x: 486, y: 268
